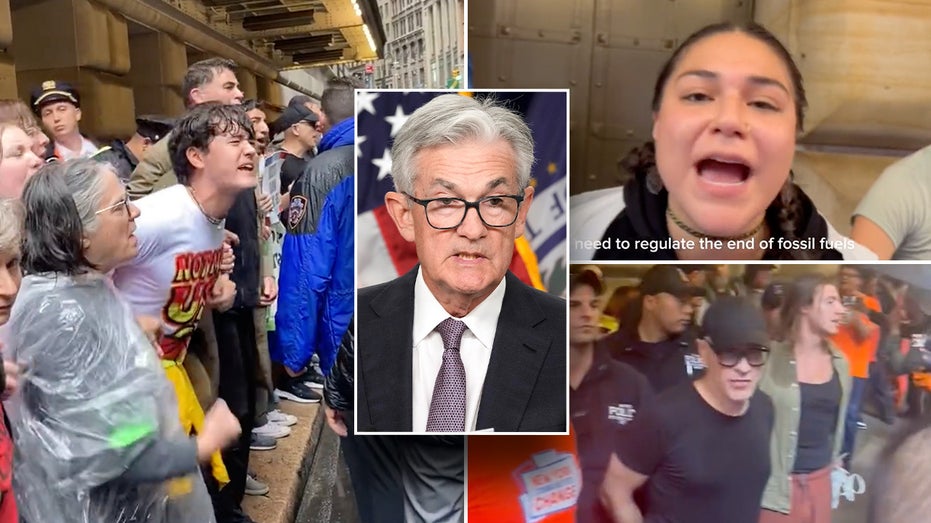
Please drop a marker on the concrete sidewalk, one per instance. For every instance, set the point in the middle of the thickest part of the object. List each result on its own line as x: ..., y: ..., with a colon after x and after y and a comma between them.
x: 307, y: 478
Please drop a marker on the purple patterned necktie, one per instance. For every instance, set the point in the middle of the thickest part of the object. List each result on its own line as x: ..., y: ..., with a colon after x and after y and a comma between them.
x: 447, y: 408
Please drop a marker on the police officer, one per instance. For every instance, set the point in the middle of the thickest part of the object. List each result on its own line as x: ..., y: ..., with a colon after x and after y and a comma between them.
x: 58, y: 105
x: 605, y: 394
x: 660, y: 344
x: 125, y: 156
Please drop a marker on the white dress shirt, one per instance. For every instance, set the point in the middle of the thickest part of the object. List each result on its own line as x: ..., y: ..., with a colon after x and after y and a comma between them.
x: 475, y: 350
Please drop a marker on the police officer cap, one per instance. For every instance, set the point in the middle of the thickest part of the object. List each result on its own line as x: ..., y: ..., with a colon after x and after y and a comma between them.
x: 51, y: 91
x: 154, y: 127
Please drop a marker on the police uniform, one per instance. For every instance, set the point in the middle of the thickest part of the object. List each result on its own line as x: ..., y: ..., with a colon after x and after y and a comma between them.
x: 668, y: 362
x: 152, y: 128
x: 609, y: 396
x: 52, y: 91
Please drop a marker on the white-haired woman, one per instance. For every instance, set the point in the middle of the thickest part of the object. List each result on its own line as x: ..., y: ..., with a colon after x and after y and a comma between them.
x: 98, y: 434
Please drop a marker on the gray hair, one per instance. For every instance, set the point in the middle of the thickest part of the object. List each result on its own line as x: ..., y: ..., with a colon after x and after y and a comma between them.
x: 84, y: 178
x: 61, y: 207
x: 454, y: 119
x: 11, y: 225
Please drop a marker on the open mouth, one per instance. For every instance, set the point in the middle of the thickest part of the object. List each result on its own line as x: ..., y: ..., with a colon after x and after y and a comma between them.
x: 469, y: 256
x: 247, y: 167
x: 723, y: 171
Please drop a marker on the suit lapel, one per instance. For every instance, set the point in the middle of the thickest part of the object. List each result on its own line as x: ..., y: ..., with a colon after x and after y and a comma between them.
x: 388, y: 364
x: 516, y: 359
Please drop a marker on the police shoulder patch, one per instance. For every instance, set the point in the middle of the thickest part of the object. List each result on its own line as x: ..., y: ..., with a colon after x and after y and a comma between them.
x: 296, y: 211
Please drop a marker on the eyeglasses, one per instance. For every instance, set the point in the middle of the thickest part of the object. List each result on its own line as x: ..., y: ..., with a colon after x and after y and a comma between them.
x: 124, y: 202
x: 755, y: 356
x: 448, y: 213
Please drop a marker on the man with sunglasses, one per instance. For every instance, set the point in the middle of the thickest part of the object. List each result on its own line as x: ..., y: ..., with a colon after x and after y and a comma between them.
x: 702, y: 448
x: 459, y: 344
x: 316, y: 277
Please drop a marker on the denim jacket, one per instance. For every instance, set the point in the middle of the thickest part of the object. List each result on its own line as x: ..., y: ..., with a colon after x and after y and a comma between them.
x: 780, y: 382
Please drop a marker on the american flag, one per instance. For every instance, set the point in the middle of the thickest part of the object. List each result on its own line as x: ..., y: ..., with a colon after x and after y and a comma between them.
x: 539, y: 255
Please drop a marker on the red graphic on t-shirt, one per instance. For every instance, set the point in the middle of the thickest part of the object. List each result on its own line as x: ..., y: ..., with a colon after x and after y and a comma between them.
x: 195, y: 275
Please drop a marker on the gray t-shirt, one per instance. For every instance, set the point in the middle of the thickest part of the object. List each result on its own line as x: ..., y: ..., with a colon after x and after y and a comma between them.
x: 899, y: 203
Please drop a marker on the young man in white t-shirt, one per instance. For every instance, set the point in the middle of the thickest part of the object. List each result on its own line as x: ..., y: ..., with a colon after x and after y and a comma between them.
x: 177, y: 274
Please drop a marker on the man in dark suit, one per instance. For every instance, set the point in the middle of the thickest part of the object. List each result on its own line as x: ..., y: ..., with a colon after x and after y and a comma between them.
x: 459, y: 344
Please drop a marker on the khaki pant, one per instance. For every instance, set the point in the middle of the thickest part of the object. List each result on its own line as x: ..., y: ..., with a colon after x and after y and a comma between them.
x: 811, y: 499
x: 263, y: 372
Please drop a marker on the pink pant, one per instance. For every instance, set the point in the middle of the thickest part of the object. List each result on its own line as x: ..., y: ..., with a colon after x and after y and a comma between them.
x: 811, y: 499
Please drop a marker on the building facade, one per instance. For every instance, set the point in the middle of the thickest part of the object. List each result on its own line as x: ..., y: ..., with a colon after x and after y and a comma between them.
x: 424, y: 43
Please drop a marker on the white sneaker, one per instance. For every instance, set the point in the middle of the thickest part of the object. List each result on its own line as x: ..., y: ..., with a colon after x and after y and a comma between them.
x: 280, y: 418
x: 272, y: 430
x: 255, y: 487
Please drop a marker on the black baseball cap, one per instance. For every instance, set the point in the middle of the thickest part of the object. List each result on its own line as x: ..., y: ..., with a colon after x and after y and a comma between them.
x: 154, y: 127
x: 292, y: 115
x: 669, y: 279
x: 51, y: 91
x: 731, y: 322
x: 586, y: 275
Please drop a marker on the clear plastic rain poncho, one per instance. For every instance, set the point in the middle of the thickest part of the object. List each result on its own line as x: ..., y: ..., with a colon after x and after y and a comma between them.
x: 92, y: 398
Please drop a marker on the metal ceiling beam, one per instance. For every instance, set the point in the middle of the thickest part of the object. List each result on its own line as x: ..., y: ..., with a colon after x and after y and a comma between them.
x: 278, y: 20
x: 323, y: 21
x: 160, y: 16
x: 239, y: 14
x: 295, y: 44
x: 230, y: 3
x: 318, y: 57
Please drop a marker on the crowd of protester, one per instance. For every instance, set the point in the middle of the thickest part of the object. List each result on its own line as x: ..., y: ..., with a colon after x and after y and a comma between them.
x: 145, y: 351
x: 739, y: 397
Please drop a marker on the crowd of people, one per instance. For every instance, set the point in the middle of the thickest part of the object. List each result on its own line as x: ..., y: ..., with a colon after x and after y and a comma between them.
x: 146, y: 347
x: 737, y: 399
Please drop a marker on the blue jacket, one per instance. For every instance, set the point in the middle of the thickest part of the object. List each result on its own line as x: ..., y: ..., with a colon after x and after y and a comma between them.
x: 315, y: 301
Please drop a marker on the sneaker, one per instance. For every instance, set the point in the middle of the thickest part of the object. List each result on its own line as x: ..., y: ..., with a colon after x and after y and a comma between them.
x: 262, y: 443
x: 297, y: 392
x: 280, y: 418
x: 255, y: 487
x: 272, y: 430
x: 313, y: 379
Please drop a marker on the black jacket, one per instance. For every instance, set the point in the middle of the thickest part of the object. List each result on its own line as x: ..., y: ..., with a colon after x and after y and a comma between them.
x: 524, y: 388
x: 242, y: 220
x: 664, y: 364
x: 321, y: 174
x: 338, y: 388
x: 644, y: 218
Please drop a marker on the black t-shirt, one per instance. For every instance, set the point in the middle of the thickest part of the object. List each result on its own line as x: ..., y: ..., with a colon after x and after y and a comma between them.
x: 664, y: 364
x: 703, y: 466
x: 609, y: 397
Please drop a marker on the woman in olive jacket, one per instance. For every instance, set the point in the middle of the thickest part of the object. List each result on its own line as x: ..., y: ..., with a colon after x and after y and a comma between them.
x: 809, y: 382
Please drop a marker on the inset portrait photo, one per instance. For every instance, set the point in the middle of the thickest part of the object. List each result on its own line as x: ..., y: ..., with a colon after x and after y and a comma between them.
x: 461, y: 262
